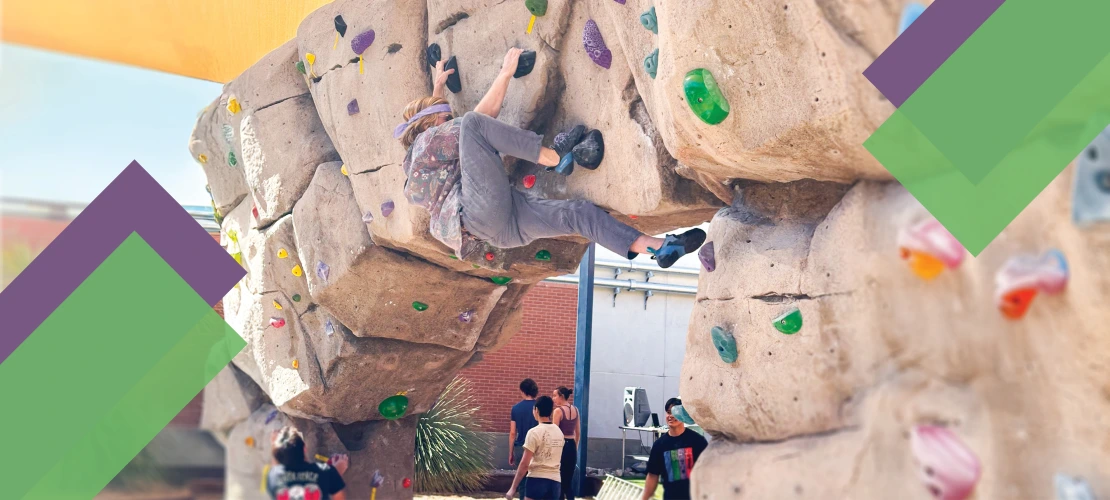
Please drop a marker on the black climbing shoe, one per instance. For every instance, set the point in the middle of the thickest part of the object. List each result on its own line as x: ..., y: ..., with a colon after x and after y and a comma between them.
x: 566, y: 141
x: 566, y: 165
x: 525, y: 63
x: 677, y: 246
x: 433, y: 54
x: 454, y: 84
x: 590, y: 151
x: 632, y: 255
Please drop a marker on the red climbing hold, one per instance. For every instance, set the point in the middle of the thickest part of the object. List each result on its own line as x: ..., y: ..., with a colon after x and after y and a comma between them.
x: 529, y: 181
x: 633, y: 217
x: 254, y: 211
x: 490, y: 256
x: 277, y: 322
x: 407, y: 483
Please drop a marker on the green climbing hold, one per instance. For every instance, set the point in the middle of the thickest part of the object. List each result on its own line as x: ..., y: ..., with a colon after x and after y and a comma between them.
x: 651, y: 63
x: 231, y: 158
x: 501, y: 280
x: 453, y: 256
x: 300, y: 68
x: 536, y: 7
x: 394, y: 407
x: 725, y: 344
x: 705, y: 97
x: 420, y: 306
x: 296, y: 297
x: 543, y: 255
x: 789, y: 322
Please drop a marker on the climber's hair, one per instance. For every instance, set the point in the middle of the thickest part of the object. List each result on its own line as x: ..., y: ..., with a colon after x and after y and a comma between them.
x: 288, y: 447
x: 529, y: 387
x: 564, y: 392
x: 544, y: 406
x: 670, y: 403
x: 423, y: 123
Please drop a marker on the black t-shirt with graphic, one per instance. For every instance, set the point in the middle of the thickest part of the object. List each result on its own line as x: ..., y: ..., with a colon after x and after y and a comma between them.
x: 308, y: 481
x: 672, y: 459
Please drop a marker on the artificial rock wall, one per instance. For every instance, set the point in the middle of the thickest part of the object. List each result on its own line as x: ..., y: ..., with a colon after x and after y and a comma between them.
x: 307, y: 178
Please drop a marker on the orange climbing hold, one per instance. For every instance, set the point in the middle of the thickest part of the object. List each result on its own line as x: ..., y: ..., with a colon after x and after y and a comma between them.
x: 249, y: 441
x: 929, y: 248
x: 202, y: 159
x: 296, y: 364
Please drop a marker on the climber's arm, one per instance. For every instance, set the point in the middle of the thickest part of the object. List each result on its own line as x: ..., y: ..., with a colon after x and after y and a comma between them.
x: 650, y: 483
x: 491, y: 103
x: 440, y: 80
x: 342, y: 495
x: 512, y: 441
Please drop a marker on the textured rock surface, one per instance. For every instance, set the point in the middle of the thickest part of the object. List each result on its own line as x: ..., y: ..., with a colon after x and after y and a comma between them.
x: 229, y: 399
x: 881, y: 351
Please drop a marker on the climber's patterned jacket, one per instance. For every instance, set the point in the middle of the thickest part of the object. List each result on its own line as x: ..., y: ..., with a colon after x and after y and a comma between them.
x: 432, y: 181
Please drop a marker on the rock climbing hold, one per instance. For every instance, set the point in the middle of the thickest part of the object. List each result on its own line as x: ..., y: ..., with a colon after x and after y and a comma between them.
x: 282, y: 253
x: 300, y: 67
x: 233, y: 105
x: 909, y: 14
x: 296, y: 297
x: 725, y: 344
x: 254, y: 212
x: 590, y: 151
x: 406, y: 483
x: 929, y: 248
x: 707, y: 257
x: 329, y: 328
x: 1023, y: 276
x: 323, y: 271
x: 490, y: 256
x: 202, y: 158
x: 501, y: 280
x: 525, y: 63
x: 359, y: 44
x: 566, y: 165
x: 277, y: 322
x: 340, y: 30
x: 453, y: 256
x: 393, y: 407
x: 543, y: 255
x: 297, y: 271
x: 433, y: 54
x: 249, y: 441
x: 229, y: 134
x: 1090, y: 201
x: 538, y: 8
x: 633, y: 217
x: 1072, y: 488
x: 789, y: 322
x: 680, y: 414
x: 454, y: 83
x: 705, y: 97
x: 420, y: 306
x: 529, y: 181
x: 466, y: 316
x: 231, y: 158
x: 277, y: 305
x: 387, y: 208
x: 619, y: 1
x: 368, y: 217
x: 311, y: 58
x: 322, y: 459
x: 296, y: 364
x: 948, y: 468
x: 595, y: 45
x: 651, y: 63
x: 649, y: 21
x: 238, y: 256
x: 343, y: 170
x: 352, y: 107
x: 273, y: 414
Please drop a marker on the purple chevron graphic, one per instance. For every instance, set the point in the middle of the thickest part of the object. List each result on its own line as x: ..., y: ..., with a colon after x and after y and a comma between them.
x: 915, y: 55
x: 133, y: 202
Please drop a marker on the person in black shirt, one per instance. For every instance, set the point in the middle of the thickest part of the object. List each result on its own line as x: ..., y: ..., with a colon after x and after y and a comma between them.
x: 293, y: 477
x: 672, y: 458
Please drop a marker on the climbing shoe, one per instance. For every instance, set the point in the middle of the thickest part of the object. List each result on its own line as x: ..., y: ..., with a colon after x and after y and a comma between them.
x: 677, y: 246
x: 590, y: 151
x: 566, y: 141
x: 566, y: 165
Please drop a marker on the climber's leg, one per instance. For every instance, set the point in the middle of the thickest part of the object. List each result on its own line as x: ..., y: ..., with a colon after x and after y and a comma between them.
x: 485, y: 191
x: 539, y: 218
x: 506, y: 139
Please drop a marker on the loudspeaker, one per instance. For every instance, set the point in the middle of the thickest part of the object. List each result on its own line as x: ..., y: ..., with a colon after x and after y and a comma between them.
x: 636, y: 410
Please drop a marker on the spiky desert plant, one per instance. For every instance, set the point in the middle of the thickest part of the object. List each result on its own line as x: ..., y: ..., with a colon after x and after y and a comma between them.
x: 453, y: 455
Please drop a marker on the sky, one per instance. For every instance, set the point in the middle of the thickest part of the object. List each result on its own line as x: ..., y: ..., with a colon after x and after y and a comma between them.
x: 69, y: 125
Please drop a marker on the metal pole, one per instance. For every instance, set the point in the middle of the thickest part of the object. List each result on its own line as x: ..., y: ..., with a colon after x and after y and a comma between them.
x: 583, y: 346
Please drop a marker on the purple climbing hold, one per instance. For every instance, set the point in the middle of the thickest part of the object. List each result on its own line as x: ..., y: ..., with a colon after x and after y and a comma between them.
x: 270, y: 417
x: 362, y: 41
x: 368, y: 218
x: 595, y: 45
x: 329, y: 328
x: 387, y: 208
x: 620, y: 1
x: 707, y: 257
x: 467, y: 316
x: 352, y: 107
x: 322, y: 271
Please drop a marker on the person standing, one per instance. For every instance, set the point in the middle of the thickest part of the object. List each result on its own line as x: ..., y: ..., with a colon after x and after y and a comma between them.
x: 566, y: 419
x: 540, y: 462
x: 523, y: 420
x: 672, y: 458
x: 294, y: 477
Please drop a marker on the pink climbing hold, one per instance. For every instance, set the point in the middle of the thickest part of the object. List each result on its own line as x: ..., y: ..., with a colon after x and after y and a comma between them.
x: 949, y: 469
x: 931, y: 238
x: 387, y: 208
x: 362, y: 41
x: 595, y: 45
x: 707, y: 257
x: 277, y: 322
x: 1022, y: 277
x: 352, y: 107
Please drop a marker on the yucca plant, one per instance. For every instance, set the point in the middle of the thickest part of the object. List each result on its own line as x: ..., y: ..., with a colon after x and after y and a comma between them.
x: 453, y: 455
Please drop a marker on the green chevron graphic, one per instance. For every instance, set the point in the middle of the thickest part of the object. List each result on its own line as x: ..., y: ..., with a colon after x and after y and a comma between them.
x: 1003, y: 116
x: 106, y: 371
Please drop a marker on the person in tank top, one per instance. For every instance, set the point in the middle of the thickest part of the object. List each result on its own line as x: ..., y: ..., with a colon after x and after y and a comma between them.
x: 566, y: 418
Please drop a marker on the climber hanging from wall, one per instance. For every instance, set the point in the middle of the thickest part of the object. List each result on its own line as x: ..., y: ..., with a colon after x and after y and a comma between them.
x: 454, y: 170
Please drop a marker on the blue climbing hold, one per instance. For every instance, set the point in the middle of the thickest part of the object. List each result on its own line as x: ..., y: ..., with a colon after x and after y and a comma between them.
x: 649, y: 21
x: 909, y: 15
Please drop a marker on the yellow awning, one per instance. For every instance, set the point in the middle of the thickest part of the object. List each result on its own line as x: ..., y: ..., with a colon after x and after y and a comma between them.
x: 208, y: 39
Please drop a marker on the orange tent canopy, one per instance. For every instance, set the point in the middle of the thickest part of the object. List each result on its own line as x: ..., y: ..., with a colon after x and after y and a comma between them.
x: 212, y: 40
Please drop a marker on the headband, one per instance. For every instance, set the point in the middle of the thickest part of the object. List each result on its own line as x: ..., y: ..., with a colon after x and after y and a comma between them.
x: 431, y: 110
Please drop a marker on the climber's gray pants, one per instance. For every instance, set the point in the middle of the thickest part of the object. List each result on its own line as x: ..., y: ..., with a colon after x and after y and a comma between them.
x: 505, y: 217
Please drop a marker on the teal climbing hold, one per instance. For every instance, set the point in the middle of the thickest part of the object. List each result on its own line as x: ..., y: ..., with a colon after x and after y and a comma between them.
x: 705, y: 97
x: 725, y: 344
x: 650, y: 22
x: 651, y: 63
x: 789, y: 322
x: 231, y: 158
x: 679, y: 413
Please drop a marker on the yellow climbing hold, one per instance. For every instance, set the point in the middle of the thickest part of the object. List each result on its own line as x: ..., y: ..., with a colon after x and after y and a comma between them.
x: 297, y: 271
x: 296, y: 364
x: 277, y: 305
x: 310, y: 57
x: 233, y: 106
x: 265, y: 474
x: 282, y: 253
x: 250, y: 441
x: 202, y: 158
x: 238, y: 256
x: 344, y: 170
x: 531, y: 22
